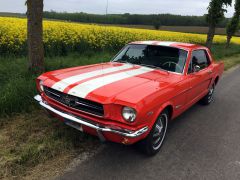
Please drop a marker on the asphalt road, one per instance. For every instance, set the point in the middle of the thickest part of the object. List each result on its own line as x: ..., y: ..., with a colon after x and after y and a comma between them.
x: 203, y: 143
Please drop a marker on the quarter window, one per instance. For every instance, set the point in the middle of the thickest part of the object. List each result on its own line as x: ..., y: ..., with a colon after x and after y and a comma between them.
x: 199, y: 58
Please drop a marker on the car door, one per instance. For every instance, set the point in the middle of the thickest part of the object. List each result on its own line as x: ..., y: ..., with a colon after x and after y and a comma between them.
x: 199, y: 75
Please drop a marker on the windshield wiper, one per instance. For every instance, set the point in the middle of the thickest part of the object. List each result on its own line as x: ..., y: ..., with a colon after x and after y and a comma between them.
x: 155, y: 67
x: 151, y: 66
x: 122, y: 61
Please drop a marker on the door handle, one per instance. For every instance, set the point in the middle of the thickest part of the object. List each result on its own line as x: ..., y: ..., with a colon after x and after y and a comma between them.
x: 210, y: 72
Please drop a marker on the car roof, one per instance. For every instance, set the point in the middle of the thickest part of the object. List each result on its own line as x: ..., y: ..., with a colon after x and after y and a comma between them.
x: 180, y: 45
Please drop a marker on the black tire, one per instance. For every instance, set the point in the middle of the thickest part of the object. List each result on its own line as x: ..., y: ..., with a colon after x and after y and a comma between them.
x: 152, y: 144
x: 208, y: 99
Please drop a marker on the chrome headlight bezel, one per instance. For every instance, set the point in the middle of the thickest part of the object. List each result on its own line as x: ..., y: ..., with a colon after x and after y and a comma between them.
x: 129, y: 114
x: 41, y: 86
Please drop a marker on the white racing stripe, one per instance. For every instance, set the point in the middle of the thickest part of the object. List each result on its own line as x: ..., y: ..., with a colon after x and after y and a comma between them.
x: 158, y: 43
x: 165, y: 43
x: 64, y: 83
x: 148, y: 42
x: 82, y: 90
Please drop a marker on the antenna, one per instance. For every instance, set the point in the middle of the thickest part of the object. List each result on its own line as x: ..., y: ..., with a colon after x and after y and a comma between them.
x: 105, y: 27
x: 107, y: 8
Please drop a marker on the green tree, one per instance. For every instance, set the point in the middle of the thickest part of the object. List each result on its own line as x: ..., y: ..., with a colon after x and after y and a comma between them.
x: 157, y: 24
x: 35, y: 35
x: 233, y: 25
x: 216, y: 10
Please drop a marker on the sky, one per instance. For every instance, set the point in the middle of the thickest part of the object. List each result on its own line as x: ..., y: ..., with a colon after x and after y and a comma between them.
x: 181, y: 7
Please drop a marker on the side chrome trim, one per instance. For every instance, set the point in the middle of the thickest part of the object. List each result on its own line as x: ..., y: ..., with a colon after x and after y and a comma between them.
x: 177, y: 107
x: 99, y: 129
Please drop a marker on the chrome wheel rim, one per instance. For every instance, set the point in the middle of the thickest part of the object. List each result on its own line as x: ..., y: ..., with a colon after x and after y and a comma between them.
x: 159, y: 131
x: 210, y: 94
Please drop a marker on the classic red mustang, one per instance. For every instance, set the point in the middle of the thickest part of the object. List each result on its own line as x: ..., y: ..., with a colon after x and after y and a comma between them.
x: 132, y: 98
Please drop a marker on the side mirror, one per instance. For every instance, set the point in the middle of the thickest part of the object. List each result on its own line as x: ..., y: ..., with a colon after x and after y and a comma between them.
x: 196, y: 68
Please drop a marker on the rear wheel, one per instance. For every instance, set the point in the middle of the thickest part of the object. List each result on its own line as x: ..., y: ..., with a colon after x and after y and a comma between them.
x: 153, y: 142
x: 206, y: 100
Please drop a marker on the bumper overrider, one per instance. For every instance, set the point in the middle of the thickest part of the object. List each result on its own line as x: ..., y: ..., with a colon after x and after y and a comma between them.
x: 82, y: 121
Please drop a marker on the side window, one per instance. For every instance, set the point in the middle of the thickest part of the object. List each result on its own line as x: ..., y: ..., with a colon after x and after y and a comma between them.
x: 199, y: 58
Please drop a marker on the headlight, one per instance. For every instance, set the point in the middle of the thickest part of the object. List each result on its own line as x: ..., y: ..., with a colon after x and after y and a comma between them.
x: 129, y: 114
x: 41, y: 85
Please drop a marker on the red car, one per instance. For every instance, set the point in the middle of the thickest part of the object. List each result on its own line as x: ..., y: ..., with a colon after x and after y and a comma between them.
x: 132, y: 98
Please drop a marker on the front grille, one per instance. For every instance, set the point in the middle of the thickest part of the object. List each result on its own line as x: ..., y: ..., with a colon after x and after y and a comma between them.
x: 75, y: 102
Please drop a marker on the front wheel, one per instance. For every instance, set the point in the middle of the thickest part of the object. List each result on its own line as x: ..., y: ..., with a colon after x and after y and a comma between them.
x: 153, y: 142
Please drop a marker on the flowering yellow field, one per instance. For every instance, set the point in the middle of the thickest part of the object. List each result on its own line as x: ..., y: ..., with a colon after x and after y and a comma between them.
x: 62, y: 37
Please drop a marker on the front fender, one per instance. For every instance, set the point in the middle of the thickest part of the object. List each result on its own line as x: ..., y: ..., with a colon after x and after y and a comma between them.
x: 152, y: 115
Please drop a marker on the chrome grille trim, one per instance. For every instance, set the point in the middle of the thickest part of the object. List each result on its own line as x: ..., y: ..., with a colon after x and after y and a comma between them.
x: 80, y: 104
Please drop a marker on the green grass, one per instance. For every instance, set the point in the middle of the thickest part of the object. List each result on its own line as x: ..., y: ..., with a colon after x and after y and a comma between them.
x: 220, y: 52
x: 28, y: 140
x: 231, y: 61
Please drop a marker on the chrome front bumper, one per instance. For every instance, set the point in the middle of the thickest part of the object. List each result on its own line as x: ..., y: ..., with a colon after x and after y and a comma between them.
x: 99, y: 129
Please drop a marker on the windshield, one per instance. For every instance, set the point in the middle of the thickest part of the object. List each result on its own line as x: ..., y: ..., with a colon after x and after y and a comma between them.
x: 167, y: 58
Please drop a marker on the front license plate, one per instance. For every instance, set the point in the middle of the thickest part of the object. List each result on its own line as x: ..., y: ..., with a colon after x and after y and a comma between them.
x: 74, y: 125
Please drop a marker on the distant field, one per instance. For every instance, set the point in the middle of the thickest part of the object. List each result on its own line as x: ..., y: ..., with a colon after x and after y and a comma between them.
x: 186, y: 29
x: 7, y: 14
x: 61, y: 37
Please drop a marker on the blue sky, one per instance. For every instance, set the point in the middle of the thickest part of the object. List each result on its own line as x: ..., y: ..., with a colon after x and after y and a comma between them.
x: 183, y: 7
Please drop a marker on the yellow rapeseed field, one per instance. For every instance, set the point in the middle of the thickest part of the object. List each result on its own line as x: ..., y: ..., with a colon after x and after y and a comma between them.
x: 62, y: 37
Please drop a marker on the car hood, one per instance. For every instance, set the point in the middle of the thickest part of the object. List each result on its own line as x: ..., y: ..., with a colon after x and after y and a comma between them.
x: 109, y: 82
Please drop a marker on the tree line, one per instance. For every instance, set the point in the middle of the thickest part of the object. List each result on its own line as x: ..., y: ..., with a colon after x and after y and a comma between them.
x: 134, y: 19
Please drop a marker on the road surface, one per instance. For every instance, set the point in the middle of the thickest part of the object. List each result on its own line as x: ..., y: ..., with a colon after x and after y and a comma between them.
x: 203, y: 143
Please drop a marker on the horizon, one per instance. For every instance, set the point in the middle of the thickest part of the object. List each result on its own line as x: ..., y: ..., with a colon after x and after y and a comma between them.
x: 105, y: 14
x: 188, y: 8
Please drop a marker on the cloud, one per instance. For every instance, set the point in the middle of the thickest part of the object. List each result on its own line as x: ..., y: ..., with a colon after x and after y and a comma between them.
x: 183, y: 7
